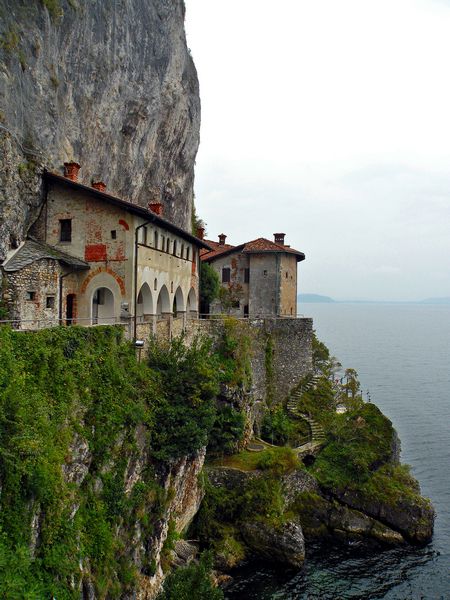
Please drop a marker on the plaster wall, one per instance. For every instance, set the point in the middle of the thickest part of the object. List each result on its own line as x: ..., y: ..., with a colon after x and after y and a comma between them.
x: 104, y: 236
x: 237, y: 263
x: 288, y: 285
x: 264, y: 284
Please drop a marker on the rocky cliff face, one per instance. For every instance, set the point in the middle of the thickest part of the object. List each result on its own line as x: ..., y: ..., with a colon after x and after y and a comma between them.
x: 108, y: 84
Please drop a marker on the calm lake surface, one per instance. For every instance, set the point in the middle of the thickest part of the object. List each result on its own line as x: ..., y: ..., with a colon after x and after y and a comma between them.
x: 402, y: 355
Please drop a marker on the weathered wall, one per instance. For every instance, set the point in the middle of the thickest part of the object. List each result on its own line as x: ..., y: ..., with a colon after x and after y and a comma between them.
x: 110, y: 84
x: 42, y: 279
x: 280, y: 355
x: 264, y: 284
x: 237, y: 263
x: 288, y: 285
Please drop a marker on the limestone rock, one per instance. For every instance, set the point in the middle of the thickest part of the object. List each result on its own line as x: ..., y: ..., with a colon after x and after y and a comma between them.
x: 284, y: 543
x: 109, y: 84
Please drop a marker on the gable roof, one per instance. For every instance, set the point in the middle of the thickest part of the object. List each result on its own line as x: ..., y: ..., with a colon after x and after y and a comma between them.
x: 135, y: 209
x: 31, y: 250
x: 258, y: 246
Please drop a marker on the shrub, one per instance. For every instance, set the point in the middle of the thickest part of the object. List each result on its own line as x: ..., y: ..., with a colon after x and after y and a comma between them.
x: 193, y: 581
x: 227, y: 431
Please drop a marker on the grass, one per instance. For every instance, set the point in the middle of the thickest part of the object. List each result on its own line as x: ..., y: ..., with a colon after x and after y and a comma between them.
x: 280, y: 459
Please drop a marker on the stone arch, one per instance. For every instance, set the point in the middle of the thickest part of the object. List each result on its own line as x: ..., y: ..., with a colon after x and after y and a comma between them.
x: 108, y: 310
x: 163, y: 303
x: 192, y: 303
x: 102, y: 306
x: 178, y: 302
x: 144, y: 306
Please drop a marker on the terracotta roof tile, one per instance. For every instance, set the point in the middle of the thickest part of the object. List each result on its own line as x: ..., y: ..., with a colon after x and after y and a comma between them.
x: 255, y: 246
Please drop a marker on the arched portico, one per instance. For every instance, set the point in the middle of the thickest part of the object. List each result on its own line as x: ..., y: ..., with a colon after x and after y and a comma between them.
x: 192, y: 304
x: 163, y: 306
x: 144, y: 306
x: 179, y: 305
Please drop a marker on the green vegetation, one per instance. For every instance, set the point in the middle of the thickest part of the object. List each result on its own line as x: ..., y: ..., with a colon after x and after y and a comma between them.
x: 227, y: 431
x: 233, y: 354
x: 358, y: 443
x: 10, y: 40
x: 60, y: 388
x: 255, y: 498
x: 209, y: 284
x: 54, y: 8
x: 185, y: 407
x: 268, y: 363
x: 275, y: 459
x: 192, y: 582
x: 279, y: 428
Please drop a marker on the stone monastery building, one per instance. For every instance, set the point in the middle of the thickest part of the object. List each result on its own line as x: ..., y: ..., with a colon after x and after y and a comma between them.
x: 260, y: 276
x: 96, y: 259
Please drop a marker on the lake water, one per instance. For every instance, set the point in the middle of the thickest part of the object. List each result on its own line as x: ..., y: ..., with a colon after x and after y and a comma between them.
x: 402, y: 355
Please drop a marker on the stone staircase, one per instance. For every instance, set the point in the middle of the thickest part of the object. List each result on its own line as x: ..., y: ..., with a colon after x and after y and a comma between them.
x: 317, y: 432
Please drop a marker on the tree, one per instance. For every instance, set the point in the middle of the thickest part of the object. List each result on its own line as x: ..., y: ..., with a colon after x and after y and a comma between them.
x: 230, y: 296
x: 209, y: 284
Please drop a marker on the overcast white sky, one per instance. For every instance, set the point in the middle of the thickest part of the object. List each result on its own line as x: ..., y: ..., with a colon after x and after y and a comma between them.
x: 329, y: 120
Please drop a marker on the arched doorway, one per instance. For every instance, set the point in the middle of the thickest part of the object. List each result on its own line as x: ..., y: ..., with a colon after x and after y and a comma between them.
x: 144, y: 303
x: 163, y: 304
x: 71, y: 304
x: 103, y: 306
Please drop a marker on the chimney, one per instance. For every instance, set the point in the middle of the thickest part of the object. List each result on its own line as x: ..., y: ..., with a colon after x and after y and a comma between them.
x: 71, y: 170
x: 156, y: 207
x: 99, y: 185
x: 278, y: 238
x: 222, y: 238
x: 200, y: 233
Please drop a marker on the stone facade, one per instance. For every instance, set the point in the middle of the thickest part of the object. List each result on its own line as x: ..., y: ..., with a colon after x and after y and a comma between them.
x: 260, y: 277
x: 280, y: 355
x: 109, y: 237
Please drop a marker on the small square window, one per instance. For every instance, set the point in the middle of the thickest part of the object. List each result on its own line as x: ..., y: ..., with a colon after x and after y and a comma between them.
x: 265, y: 273
x: 113, y: 234
x: 65, y: 230
x: 30, y: 296
x: 225, y: 275
x: 50, y: 302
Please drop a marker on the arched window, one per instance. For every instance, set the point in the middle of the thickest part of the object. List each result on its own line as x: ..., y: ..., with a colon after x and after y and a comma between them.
x: 188, y: 253
x: 155, y: 284
x: 163, y: 243
x: 156, y: 240
x: 182, y: 251
x: 175, y: 247
x: 168, y: 245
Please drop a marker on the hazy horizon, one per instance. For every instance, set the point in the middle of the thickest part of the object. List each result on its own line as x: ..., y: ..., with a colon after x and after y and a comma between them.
x: 329, y: 121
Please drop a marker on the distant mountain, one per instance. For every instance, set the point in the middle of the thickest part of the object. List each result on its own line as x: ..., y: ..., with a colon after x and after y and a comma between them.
x: 445, y: 300
x: 304, y: 298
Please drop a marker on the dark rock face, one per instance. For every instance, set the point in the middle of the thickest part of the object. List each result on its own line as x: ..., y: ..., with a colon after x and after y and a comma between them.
x: 284, y: 543
x: 108, y: 84
x: 413, y: 518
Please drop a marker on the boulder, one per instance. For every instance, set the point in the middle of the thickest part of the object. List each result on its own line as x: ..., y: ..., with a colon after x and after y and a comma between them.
x: 283, y: 543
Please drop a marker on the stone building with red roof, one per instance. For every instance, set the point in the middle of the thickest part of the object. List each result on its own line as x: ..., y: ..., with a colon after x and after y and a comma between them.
x: 259, y: 278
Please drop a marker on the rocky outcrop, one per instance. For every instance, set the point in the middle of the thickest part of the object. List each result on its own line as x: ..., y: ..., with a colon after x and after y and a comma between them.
x: 109, y: 84
x: 412, y: 516
x: 322, y: 518
x: 283, y: 543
